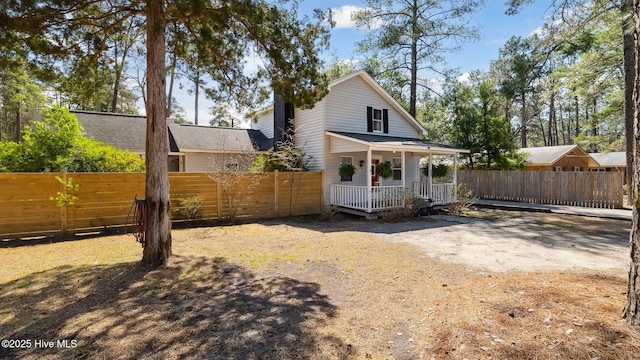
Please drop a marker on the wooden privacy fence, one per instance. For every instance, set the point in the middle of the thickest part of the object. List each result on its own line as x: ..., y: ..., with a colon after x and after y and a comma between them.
x: 104, y: 199
x: 587, y: 189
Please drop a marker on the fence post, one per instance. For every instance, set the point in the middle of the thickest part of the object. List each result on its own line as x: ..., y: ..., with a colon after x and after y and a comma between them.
x: 322, y: 185
x: 276, y: 192
x: 219, y: 194
x: 63, y: 208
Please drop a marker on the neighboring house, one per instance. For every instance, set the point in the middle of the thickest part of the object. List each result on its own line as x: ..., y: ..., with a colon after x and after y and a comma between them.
x: 610, y: 162
x: 558, y: 158
x: 358, y: 122
x: 191, y: 148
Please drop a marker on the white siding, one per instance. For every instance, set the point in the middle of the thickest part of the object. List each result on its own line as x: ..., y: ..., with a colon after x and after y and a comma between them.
x: 198, y: 162
x: 309, y: 125
x: 210, y: 162
x: 264, y: 123
x: 338, y: 145
x: 347, y: 110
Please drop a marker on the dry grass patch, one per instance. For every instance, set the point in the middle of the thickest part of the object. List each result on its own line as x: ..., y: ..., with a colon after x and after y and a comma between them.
x: 309, y: 290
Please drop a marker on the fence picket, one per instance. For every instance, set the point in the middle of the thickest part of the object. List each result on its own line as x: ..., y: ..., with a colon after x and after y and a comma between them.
x: 587, y: 189
x: 104, y: 199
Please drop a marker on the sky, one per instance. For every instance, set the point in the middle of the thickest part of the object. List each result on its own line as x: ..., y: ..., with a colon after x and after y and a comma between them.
x: 495, y: 28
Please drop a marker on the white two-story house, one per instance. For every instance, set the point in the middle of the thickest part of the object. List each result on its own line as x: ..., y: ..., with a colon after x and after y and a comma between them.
x: 360, y: 123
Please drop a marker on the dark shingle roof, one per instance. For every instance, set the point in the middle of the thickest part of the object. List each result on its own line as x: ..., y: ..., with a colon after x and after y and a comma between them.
x: 125, y: 132
x: 203, y: 138
x: 129, y: 132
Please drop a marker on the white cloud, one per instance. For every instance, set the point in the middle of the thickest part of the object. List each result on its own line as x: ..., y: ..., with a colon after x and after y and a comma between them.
x: 464, y: 78
x: 540, y: 32
x: 343, y: 16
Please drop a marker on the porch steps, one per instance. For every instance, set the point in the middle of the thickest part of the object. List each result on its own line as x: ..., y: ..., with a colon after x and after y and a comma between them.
x: 366, y: 215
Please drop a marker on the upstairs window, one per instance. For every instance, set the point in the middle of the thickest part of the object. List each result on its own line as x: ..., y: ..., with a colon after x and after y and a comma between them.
x: 377, y: 120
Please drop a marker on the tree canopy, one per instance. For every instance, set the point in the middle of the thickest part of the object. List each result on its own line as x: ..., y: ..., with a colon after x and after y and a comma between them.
x: 412, y: 36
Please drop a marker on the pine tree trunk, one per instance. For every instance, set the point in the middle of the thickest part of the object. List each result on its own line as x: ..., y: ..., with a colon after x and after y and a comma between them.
x: 197, y: 95
x: 157, y: 249
x: 632, y: 310
x: 577, y: 131
x: 523, y: 130
x: 174, y: 63
x: 18, y: 125
x: 629, y: 75
x: 413, y: 96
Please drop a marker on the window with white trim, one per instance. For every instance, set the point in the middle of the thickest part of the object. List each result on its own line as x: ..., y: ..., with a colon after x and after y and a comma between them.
x: 346, y: 160
x: 577, y: 168
x: 558, y: 168
x: 396, y: 165
x: 377, y: 120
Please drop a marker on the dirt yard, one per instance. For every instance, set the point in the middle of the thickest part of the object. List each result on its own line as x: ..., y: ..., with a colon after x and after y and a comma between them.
x: 493, y: 285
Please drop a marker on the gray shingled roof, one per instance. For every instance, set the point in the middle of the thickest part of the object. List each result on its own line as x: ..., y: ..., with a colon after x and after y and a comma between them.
x: 125, y: 132
x: 396, y: 141
x: 202, y: 138
x: 547, y: 155
x: 611, y: 159
x: 129, y: 132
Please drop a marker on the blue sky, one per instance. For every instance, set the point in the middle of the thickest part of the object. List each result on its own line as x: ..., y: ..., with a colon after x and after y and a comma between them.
x: 495, y: 29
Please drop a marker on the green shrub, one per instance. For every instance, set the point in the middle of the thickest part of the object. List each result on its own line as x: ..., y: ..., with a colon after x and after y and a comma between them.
x: 56, y: 142
x: 191, y: 207
x: 466, y: 198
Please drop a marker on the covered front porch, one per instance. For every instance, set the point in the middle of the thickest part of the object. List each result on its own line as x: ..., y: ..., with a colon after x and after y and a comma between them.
x: 368, y: 192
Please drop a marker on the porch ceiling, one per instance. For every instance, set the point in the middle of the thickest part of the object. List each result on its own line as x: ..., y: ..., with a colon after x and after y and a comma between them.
x: 363, y: 142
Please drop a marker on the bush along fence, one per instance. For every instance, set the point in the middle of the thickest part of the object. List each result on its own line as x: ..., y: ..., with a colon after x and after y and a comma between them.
x: 57, y: 203
x: 587, y: 189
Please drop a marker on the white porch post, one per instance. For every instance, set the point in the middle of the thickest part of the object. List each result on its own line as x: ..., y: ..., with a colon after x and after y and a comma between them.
x: 402, y: 169
x: 429, y: 190
x: 455, y: 177
x: 369, y: 174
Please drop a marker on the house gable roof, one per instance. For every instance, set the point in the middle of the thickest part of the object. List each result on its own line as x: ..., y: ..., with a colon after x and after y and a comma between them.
x: 548, y: 155
x: 383, y: 93
x: 124, y: 132
x: 611, y: 159
x: 217, y: 139
x: 128, y: 132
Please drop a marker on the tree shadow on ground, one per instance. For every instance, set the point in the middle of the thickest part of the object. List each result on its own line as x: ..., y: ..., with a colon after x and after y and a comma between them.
x: 194, y: 308
x: 547, y: 319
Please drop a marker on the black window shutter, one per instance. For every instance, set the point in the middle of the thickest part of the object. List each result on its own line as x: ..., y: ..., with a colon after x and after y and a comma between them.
x: 385, y: 120
x: 369, y: 119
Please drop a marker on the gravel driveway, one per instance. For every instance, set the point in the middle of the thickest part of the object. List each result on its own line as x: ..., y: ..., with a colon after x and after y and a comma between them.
x: 520, y: 242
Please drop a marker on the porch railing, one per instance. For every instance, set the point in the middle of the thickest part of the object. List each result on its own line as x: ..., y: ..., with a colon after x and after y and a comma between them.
x: 385, y: 197
x: 439, y: 194
x: 356, y: 197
